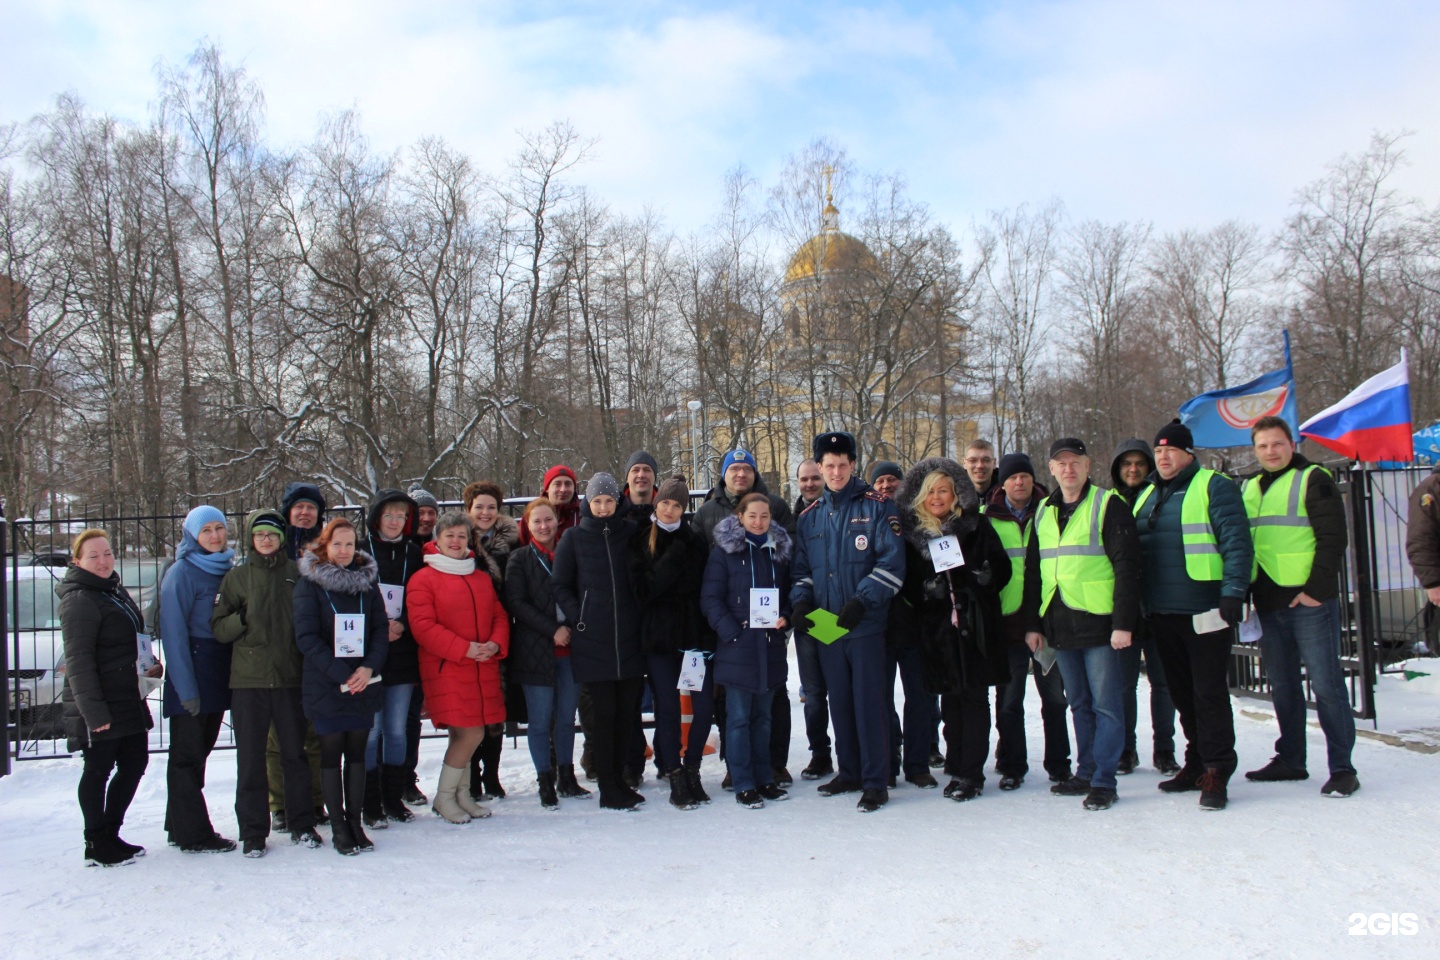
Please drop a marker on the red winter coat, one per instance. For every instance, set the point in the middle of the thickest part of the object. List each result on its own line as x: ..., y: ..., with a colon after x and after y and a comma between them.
x: 447, y: 612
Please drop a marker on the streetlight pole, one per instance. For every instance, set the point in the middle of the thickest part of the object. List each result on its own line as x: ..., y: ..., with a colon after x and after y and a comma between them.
x: 694, y: 406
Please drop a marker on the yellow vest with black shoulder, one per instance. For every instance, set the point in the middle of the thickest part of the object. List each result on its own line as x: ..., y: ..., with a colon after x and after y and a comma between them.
x: 1280, y: 527
x: 1202, y: 550
x: 1074, y: 562
x: 1015, y: 541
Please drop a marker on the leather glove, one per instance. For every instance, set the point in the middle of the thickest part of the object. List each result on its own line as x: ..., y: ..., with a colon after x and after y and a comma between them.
x: 984, y: 575
x: 1232, y: 610
x: 850, y: 615
x: 800, y: 618
x: 192, y: 707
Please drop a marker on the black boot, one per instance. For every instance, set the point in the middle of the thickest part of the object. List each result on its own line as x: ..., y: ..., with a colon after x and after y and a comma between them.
x: 354, y: 806
x: 548, y: 799
x: 133, y: 849
x: 1186, y: 780
x: 373, y: 808
x: 334, y: 787
x: 101, y: 851
x: 697, y: 789
x: 393, y: 781
x: 490, y: 749
x: 680, y: 796
x: 413, y: 794
x: 568, y: 786
x: 614, y: 796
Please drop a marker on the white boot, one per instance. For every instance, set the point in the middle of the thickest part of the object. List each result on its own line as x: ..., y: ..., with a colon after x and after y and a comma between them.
x: 462, y: 797
x: 446, y: 803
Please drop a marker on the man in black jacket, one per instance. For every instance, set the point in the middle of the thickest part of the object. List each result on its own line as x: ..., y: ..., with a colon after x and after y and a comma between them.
x: 1297, y: 520
x: 1082, y: 591
x: 811, y: 483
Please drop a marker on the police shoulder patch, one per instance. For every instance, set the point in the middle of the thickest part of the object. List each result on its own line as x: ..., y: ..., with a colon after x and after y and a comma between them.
x: 872, y: 495
x: 1427, y: 501
x: 895, y: 525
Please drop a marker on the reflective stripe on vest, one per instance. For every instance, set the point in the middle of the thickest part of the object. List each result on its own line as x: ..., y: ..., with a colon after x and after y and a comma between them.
x: 1280, y: 527
x: 1015, y: 541
x: 1202, y: 550
x: 1074, y: 562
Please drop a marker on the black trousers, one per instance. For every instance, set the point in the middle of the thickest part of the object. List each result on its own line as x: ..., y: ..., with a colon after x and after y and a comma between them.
x: 966, y: 717
x: 614, y: 712
x: 103, y: 798
x: 251, y: 714
x: 187, y: 819
x: 1197, y: 667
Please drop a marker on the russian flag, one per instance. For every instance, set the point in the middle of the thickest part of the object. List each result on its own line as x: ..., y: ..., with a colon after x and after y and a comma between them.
x: 1372, y: 422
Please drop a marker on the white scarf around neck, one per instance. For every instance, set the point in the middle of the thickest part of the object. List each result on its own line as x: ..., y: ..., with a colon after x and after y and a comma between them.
x: 446, y: 564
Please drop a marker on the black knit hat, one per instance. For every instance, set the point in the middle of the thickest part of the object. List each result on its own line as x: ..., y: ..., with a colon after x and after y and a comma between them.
x: 1176, y: 434
x: 1011, y: 464
x: 885, y: 468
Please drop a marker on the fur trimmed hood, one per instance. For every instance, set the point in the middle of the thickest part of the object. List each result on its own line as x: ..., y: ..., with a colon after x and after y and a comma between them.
x: 730, y: 537
x: 354, y: 579
x: 967, y: 499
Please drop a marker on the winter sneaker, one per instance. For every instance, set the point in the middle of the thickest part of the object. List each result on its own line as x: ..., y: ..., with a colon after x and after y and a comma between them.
x: 1011, y: 781
x: 101, y: 851
x: 839, y: 785
x: 728, y: 782
x: 680, y: 797
x: 937, y: 759
x: 278, y: 823
x: 567, y: 786
x: 750, y: 799
x: 773, y: 792
x: 964, y: 789
x: 1340, y: 785
x: 548, y: 798
x: 782, y: 776
x: 819, y: 766
x: 133, y: 849
x: 697, y: 789
x: 1164, y: 761
x: 1099, y: 798
x: 307, y: 838
x: 211, y: 844
x: 1129, y: 760
x: 1073, y: 787
x: 255, y: 848
x: 1212, y: 789
x: 925, y: 780
x: 872, y: 799
x: 1187, y: 779
x: 1276, y: 771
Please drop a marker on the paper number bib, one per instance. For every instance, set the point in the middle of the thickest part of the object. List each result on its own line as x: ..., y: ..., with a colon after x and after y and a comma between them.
x: 692, y: 671
x: 349, y: 634
x: 394, y: 597
x: 764, y: 607
x: 945, y: 553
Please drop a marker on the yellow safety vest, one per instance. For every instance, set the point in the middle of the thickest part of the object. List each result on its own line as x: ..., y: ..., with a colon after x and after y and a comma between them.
x: 1202, y: 550
x: 1280, y: 527
x: 1075, y: 562
x: 1016, y: 541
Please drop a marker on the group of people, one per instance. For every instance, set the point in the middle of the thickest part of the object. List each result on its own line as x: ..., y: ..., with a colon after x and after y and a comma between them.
x: 328, y: 641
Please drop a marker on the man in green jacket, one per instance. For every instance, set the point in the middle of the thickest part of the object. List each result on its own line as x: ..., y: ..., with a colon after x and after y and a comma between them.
x: 1198, y: 556
x: 254, y: 613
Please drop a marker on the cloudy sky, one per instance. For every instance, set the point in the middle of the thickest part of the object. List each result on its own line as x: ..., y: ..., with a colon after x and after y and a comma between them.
x: 1183, y: 114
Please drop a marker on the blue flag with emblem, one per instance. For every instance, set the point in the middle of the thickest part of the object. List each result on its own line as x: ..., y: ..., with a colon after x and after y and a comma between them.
x: 1223, y: 418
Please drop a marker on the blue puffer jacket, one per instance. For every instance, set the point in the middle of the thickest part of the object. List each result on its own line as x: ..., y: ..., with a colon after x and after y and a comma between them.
x: 323, y: 592
x: 848, y: 544
x: 1168, y: 588
x: 746, y: 658
x: 196, y: 664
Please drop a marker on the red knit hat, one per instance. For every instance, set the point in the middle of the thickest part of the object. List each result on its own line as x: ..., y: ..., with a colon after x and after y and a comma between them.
x: 559, y: 470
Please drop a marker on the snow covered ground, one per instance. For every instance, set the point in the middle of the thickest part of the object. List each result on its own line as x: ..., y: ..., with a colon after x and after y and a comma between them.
x: 1281, y: 873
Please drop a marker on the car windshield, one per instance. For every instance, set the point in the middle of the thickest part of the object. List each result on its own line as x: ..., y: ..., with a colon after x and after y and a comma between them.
x: 36, y: 607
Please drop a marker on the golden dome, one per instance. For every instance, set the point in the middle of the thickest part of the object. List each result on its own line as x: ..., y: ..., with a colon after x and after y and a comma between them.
x: 830, y: 251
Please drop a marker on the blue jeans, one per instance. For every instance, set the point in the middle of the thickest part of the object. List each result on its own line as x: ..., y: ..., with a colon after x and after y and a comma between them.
x: 813, y: 689
x: 552, y: 717
x: 387, y: 733
x: 1093, y: 684
x: 747, y: 738
x: 1310, y: 635
x: 1162, y: 708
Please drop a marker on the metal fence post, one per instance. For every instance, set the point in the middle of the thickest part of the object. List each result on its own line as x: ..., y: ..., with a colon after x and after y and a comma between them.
x: 5, y: 647
x: 1364, y: 566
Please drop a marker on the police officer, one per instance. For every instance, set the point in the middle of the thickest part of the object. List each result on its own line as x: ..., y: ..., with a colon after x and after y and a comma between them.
x: 1297, y: 522
x: 850, y: 561
x: 1198, y: 556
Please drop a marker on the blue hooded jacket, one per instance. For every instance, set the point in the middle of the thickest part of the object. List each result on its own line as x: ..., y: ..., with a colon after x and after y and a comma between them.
x: 747, y: 658
x: 196, y: 664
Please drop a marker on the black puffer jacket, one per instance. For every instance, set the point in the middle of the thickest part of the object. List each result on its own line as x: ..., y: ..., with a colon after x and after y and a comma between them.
x: 324, y: 591
x: 398, y: 561
x: 667, y: 584
x: 296, y: 538
x: 99, y: 623
x: 974, y: 653
x: 592, y: 585
x: 721, y: 503
x: 530, y: 600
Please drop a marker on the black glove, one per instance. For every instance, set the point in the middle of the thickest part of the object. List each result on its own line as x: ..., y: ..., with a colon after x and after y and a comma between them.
x: 1232, y: 610
x: 984, y: 575
x: 800, y: 617
x: 850, y: 615
x: 192, y: 707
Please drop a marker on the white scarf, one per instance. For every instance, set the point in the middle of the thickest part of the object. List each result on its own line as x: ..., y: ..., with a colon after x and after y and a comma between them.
x: 446, y: 564
x: 668, y: 527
